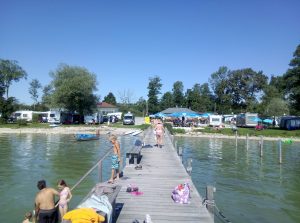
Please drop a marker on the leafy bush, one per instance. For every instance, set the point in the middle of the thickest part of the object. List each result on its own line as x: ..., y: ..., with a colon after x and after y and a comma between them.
x: 21, y: 122
x: 179, y: 131
x: 2, y: 121
x: 35, y: 118
x: 169, y: 127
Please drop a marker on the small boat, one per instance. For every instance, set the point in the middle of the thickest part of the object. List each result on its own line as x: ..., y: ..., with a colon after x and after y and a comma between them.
x: 86, y: 137
x: 53, y: 125
x: 129, y: 132
x: 136, y: 133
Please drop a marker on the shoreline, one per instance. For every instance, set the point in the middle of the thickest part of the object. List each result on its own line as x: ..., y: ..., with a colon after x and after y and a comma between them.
x: 68, y: 130
x: 122, y: 131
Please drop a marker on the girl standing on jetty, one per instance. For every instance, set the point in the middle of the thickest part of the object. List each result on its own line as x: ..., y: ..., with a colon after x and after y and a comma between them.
x: 115, y: 158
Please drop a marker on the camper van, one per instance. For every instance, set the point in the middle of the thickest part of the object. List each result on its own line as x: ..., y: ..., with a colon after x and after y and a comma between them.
x: 25, y: 115
x: 215, y: 120
x: 246, y: 119
x: 54, y: 117
x: 128, y: 119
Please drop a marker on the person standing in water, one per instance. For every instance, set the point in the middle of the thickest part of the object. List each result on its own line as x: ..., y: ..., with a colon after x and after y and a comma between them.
x: 65, y: 196
x: 115, y: 159
x: 45, y: 211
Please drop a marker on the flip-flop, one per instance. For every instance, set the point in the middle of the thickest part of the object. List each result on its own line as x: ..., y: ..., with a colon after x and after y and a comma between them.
x: 110, y: 181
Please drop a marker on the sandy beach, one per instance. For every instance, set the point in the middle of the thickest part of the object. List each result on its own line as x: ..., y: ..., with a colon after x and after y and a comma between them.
x: 68, y: 130
x: 122, y: 131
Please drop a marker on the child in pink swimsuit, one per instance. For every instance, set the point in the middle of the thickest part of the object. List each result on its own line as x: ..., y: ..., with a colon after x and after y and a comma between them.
x: 64, y: 197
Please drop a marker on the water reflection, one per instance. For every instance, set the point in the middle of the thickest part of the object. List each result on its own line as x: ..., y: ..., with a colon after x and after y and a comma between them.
x: 27, y: 158
x: 250, y: 188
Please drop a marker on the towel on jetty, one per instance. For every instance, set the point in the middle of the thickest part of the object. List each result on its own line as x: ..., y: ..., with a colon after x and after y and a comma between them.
x: 181, y: 194
x: 100, y: 203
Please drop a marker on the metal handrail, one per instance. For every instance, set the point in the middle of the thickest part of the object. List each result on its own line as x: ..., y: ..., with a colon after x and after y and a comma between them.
x: 90, y: 170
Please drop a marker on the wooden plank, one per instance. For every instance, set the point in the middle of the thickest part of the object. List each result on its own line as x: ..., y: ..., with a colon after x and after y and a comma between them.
x: 161, y: 172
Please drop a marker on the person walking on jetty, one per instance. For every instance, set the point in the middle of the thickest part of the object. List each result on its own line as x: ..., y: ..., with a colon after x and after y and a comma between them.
x: 65, y: 196
x: 159, y: 130
x: 115, y: 159
x: 45, y: 211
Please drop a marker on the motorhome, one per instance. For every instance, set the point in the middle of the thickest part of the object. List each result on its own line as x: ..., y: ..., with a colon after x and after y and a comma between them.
x: 247, y: 119
x: 215, y: 120
x: 54, y: 117
x: 128, y: 119
x: 25, y: 115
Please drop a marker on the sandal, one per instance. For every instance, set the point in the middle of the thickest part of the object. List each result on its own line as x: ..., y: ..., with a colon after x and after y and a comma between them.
x: 139, y: 167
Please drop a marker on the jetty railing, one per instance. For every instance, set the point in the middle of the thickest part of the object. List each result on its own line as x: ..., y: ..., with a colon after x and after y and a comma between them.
x: 99, y: 165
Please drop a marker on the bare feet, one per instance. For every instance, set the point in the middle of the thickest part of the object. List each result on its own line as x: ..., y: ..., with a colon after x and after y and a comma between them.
x: 111, y: 181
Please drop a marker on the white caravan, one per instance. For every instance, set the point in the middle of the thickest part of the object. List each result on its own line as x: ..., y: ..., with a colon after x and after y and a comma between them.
x: 215, y: 120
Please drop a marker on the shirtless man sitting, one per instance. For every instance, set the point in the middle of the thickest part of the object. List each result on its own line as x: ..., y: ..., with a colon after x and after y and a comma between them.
x: 45, y: 210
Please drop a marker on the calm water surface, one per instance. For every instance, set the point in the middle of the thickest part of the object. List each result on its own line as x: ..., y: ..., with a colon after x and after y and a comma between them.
x: 249, y: 188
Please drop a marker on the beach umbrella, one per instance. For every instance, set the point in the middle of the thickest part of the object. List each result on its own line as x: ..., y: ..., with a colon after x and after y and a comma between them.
x: 205, y: 115
x: 192, y: 115
x: 267, y: 120
x: 256, y: 119
x: 160, y: 115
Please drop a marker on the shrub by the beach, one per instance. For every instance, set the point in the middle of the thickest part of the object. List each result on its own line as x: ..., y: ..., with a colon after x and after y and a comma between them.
x: 35, y: 118
x: 169, y: 127
x: 2, y: 121
x: 178, y: 131
x: 22, y: 122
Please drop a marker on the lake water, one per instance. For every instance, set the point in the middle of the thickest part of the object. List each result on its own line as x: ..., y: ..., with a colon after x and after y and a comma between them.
x: 249, y: 188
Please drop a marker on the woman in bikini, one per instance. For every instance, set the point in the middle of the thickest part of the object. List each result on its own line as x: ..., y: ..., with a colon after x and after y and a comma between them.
x: 115, y: 158
x: 159, y: 130
x: 64, y: 197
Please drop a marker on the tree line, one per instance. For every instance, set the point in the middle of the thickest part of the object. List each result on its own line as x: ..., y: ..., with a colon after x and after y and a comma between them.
x: 227, y: 91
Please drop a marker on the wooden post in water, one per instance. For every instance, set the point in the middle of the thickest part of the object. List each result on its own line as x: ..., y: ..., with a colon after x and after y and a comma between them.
x: 247, y: 141
x: 210, y: 202
x: 180, y: 150
x: 175, y: 145
x: 189, y: 166
x: 261, y: 145
x: 280, y: 151
x: 100, y: 171
x: 235, y: 139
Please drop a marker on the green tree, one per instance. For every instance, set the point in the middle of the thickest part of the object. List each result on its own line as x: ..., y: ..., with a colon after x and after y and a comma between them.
x: 7, y: 107
x: 154, y: 88
x: 73, y: 89
x: 178, y: 97
x: 166, y: 100
x: 243, y: 86
x: 219, y: 84
x: 47, y: 95
x: 33, y: 90
x: 110, y: 98
x: 277, y: 107
x: 193, y: 100
x: 206, y: 98
x: 292, y: 82
x: 10, y: 71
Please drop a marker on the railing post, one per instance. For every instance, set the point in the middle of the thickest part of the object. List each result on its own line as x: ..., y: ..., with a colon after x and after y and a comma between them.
x: 210, y: 202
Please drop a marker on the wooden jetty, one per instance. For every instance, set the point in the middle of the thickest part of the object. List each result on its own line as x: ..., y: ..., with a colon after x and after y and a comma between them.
x: 162, y: 170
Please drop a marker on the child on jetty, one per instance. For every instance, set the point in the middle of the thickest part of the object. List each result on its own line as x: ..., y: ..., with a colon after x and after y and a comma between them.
x: 28, y: 217
x: 115, y: 158
x: 64, y: 197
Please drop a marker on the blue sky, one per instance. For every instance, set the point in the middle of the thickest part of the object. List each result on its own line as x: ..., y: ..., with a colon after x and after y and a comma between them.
x: 126, y: 42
